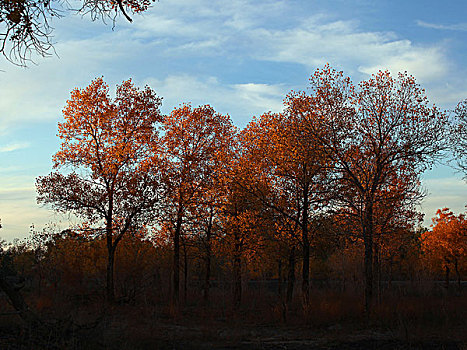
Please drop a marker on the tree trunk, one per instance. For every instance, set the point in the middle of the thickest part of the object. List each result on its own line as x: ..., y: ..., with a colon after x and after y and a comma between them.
x: 457, y: 273
x: 368, y: 261
x: 110, y: 274
x: 290, y: 275
x: 237, y: 272
x: 185, y: 272
x: 306, y: 272
x: 390, y: 271
x: 110, y: 287
x: 176, y: 262
x: 279, y: 278
x: 446, y: 266
x: 306, y: 251
x: 377, y: 269
x: 207, y: 276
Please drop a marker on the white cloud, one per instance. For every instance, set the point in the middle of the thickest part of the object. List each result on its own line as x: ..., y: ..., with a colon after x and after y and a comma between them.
x: 444, y: 192
x: 343, y: 44
x: 426, y: 64
x: 13, y: 147
x: 241, y: 101
x: 457, y: 26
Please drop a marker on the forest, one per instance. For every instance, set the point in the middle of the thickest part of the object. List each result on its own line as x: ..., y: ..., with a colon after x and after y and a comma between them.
x: 294, y: 232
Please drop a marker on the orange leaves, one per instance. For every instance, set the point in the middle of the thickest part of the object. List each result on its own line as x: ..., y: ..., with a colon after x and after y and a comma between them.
x: 449, y: 234
x: 107, y: 143
x: 196, y: 142
x: 446, y: 245
x: 106, y: 135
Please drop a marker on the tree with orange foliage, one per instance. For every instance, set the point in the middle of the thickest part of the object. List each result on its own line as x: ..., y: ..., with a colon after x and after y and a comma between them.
x: 242, y: 215
x: 291, y: 163
x: 446, y: 244
x: 108, y: 146
x: 204, y: 221
x: 383, y: 127
x: 194, y: 143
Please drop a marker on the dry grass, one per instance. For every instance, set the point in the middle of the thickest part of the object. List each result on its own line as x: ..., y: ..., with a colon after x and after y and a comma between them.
x: 332, y: 318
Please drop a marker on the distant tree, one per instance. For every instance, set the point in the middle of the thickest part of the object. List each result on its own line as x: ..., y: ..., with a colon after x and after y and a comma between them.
x: 107, y: 145
x: 459, y: 136
x: 446, y: 244
x: 25, y: 25
x: 383, y: 129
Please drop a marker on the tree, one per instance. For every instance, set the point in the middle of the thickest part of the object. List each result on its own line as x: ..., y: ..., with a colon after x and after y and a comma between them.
x: 25, y: 24
x: 242, y: 215
x: 459, y: 136
x: 446, y: 244
x: 204, y: 221
x: 194, y: 142
x: 380, y: 130
x: 108, y: 145
x: 291, y: 164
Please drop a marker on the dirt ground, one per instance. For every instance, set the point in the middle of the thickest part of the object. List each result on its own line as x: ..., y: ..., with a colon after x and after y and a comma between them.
x: 175, y: 337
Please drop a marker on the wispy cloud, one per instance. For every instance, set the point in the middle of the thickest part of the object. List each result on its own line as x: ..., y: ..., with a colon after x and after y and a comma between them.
x: 457, y: 26
x: 13, y: 147
x: 241, y: 101
x: 444, y: 192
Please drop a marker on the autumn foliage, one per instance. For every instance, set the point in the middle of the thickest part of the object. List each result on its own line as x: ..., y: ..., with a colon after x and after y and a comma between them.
x: 108, y: 146
x: 339, y: 156
x: 186, y: 210
x: 446, y: 245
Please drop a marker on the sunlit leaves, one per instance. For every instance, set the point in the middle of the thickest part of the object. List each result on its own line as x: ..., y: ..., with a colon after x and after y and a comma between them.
x: 111, y: 145
x: 446, y: 244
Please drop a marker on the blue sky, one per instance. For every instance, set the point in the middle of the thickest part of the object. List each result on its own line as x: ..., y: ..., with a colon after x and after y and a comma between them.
x: 241, y: 57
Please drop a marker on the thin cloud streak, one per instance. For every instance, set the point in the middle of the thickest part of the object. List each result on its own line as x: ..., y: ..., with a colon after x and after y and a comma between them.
x: 457, y: 27
x: 14, y: 147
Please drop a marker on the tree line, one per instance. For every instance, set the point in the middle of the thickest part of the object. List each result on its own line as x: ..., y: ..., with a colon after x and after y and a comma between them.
x: 338, y: 170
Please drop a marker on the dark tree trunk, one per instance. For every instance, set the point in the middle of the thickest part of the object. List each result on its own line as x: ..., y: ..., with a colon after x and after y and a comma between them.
x: 306, y: 251
x: 290, y: 275
x: 458, y: 275
x: 237, y: 272
x: 446, y: 266
x: 368, y: 240
x: 207, y: 276
x: 377, y: 269
x: 306, y: 272
x: 110, y: 288
x: 279, y: 278
x: 390, y: 271
x: 176, y: 262
x: 185, y: 272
